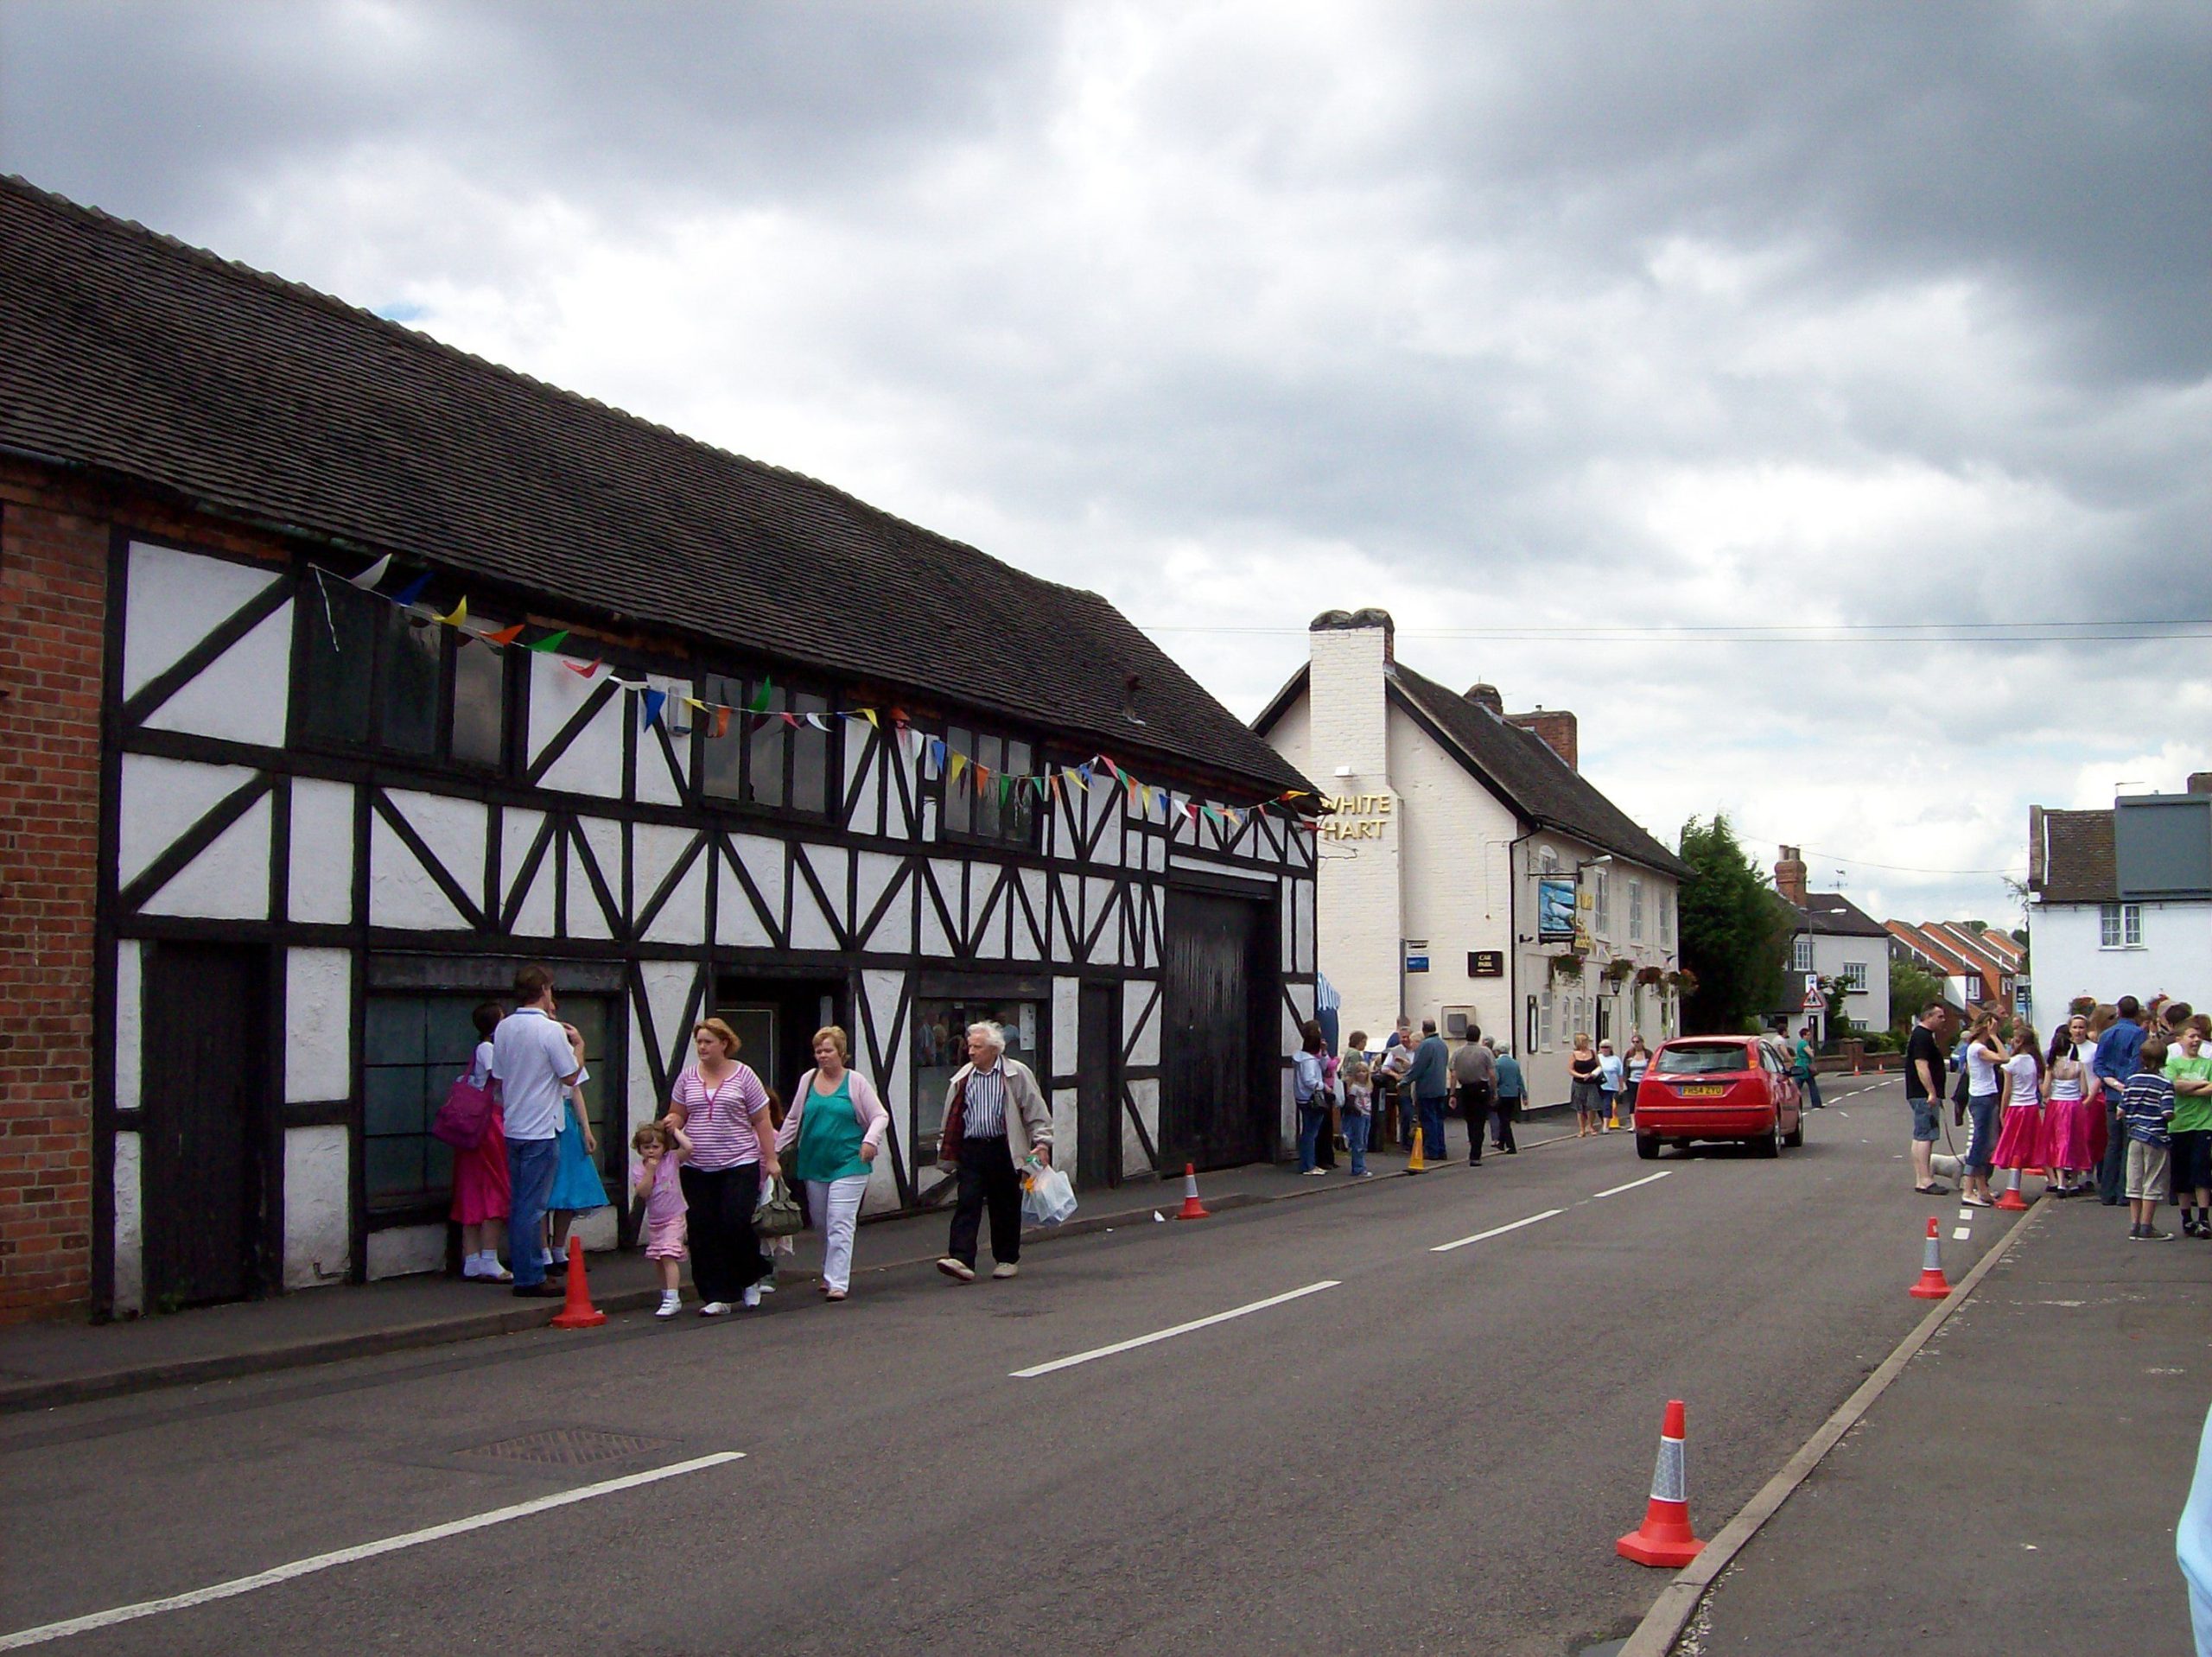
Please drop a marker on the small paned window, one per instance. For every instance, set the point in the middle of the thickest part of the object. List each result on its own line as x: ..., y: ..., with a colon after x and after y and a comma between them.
x: 1601, y: 903
x: 763, y: 758
x: 1635, y: 909
x: 1854, y: 974
x: 997, y: 803
x: 2120, y: 926
x: 374, y: 676
x: 413, y: 1046
x: 1800, y: 954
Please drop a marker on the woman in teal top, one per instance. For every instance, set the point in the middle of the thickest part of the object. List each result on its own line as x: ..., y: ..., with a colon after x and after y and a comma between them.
x: 838, y: 1124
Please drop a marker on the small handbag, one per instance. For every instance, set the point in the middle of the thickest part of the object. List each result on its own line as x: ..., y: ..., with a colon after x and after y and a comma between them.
x: 955, y: 1128
x: 465, y: 1117
x: 777, y: 1213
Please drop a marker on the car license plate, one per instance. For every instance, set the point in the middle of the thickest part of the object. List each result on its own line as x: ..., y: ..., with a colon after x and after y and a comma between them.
x: 1703, y: 1090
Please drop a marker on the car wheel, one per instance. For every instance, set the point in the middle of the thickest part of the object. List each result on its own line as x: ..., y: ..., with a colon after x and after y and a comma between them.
x: 1796, y: 1136
x: 1768, y: 1144
x: 1647, y: 1146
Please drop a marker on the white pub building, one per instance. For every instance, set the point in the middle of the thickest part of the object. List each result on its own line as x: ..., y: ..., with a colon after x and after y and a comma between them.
x: 1467, y: 871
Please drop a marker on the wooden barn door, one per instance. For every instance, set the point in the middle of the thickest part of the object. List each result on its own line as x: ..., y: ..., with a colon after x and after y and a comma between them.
x: 1099, y: 1087
x: 1214, y: 1107
x: 208, y: 1130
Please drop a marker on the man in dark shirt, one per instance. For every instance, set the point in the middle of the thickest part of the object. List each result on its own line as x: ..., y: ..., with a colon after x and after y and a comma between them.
x: 2116, y: 1051
x: 1429, y: 1082
x: 1924, y: 1070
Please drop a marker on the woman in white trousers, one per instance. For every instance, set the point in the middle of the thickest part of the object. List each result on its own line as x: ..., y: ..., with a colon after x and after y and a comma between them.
x: 838, y: 1123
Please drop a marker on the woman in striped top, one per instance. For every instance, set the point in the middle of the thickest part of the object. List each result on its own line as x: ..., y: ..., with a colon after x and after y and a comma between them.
x: 723, y: 1110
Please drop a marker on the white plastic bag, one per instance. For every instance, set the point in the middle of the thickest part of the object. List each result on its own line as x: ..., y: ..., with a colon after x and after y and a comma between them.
x: 1048, y: 1197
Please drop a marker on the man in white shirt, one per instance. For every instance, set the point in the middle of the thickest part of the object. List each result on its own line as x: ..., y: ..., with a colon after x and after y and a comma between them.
x: 537, y: 1060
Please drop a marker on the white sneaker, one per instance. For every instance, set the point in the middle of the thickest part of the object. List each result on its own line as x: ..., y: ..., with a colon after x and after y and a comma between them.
x: 1006, y: 1268
x: 752, y: 1297
x: 767, y: 1285
x: 959, y: 1270
x: 714, y: 1308
x: 670, y: 1304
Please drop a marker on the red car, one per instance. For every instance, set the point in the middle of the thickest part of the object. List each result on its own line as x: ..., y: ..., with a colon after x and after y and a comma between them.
x: 1718, y: 1087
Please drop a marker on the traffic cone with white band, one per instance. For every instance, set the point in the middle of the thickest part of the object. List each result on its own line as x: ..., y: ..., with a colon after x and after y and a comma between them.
x: 1193, y: 1209
x: 1665, y: 1538
x: 1933, y: 1284
x: 2008, y: 1198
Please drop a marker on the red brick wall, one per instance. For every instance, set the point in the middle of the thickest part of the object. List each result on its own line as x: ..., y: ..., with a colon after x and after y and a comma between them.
x: 1558, y: 731
x: 53, y: 596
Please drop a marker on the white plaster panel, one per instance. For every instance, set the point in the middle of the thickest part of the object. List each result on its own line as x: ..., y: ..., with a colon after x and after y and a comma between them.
x: 668, y: 989
x: 173, y: 600
x: 604, y: 837
x: 597, y: 1228
x: 593, y: 763
x: 321, y: 892
x: 401, y: 891
x: 1144, y: 1095
x: 1033, y: 887
x: 242, y: 695
x: 518, y: 834
x: 129, y: 1226
x: 683, y: 918
x: 832, y: 867
x: 644, y: 1101
x: 736, y: 922
x: 318, y: 1025
x: 929, y: 820
x: 864, y: 786
x: 406, y: 1251
x: 810, y: 926
x: 1139, y: 1025
x: 586, y: 917
x: 653, y: 851
x: 894, y: 933
x: 318, y: 1188
x: 935, y: 942
x: 1067, y: 999
x: 453, y: 829
x: 229, y: 880
x: 1065, y: 1110
x: 1099, y: 904
x: 161, y: 799
x: 129, y: 1026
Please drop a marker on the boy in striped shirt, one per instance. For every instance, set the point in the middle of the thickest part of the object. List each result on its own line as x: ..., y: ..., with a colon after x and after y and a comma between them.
x: 2146, y: 1107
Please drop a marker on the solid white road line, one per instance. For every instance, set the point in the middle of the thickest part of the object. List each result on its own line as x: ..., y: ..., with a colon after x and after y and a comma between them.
x: 1032, y: 1372
x: 1617, y: 1189
x: 1495, y: 1231
x: 269, y: 1579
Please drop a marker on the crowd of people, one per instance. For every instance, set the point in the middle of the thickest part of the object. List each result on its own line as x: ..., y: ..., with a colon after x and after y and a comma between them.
x: 1409, y: 1085
x: 704, y: 1168
x: 2116, y: 1105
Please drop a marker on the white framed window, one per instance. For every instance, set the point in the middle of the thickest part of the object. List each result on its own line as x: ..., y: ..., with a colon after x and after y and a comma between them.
x: 1547, y: 860
x: 1800, y: 954
x: 1667, y: 920
x: 2120, y: 926
x: 1601, y: 903
x: 1855, y: 975
x: 1635, y: 909
x: 1544, y: 1022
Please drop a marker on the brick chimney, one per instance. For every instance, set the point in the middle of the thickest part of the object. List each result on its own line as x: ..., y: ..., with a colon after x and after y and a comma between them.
x: 1486, y: 695
x: 2200, y: 782
x: 1556, y: 731
x: 1789, y: 877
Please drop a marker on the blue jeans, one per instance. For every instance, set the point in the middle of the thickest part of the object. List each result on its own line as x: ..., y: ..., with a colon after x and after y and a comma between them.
x: 530, y: 1175
x: 1311, y: 1118
x: 1356, y: 1124
x: 1981, y: 1144
x: 1431, y: 1129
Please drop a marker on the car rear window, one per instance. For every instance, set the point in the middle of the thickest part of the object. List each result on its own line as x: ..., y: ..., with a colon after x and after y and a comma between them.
x: 1702, y: 1058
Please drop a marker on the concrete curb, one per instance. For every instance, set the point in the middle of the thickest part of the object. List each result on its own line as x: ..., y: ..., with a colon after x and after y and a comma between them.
x: 518, y: 1318
x: 1677, y: 1603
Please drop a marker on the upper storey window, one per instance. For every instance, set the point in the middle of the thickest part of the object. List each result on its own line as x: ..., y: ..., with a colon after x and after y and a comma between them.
x: 374, y: 676
x: 772, y: 753
x: 997, y: 803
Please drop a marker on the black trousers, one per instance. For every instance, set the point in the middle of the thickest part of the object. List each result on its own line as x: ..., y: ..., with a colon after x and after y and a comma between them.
x: 1474, y: 1106
x: 987, y: 1180
x: 1501, y: 1115
x: 2112, y: 1172
x: 726, y: 1258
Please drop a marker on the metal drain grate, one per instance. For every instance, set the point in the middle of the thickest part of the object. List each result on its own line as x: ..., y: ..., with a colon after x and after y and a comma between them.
x: 568, y: 1447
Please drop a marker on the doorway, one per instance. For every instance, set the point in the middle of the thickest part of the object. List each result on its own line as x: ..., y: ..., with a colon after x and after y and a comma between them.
x: 1099, y: 1087
x: 209, y: 1136
x: 1217, y: 1105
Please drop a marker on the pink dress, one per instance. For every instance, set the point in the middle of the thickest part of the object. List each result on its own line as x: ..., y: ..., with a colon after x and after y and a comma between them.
x: 667, y: 1221
x: 2019, y: 1143
x: 2067, y: 1128
x: 480, y: 1191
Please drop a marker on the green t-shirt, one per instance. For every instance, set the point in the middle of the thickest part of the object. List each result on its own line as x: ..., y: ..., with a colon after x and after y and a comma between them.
x: 2192, y: 1111
x: 830, y: 1134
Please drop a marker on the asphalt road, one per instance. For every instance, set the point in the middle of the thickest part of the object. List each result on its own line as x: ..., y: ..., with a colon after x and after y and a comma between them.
x: 1434, y: 1452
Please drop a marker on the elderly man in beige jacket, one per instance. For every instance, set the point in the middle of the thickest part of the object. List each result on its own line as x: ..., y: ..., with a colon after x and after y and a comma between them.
x: 1003, y: 1119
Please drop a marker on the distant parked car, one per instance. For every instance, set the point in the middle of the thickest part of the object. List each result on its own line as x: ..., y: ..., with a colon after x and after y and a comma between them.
x: 1713, y: 1088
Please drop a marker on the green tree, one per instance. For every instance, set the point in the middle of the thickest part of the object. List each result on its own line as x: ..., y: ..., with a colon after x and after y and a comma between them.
x: 1735, y: 933
x: 1911, y: 989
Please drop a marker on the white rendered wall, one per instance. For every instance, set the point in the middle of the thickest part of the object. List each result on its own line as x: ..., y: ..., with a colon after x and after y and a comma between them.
x: 129, y: 1228
x: 2065, y: 959
x: 318, y: 1186
x: 318, y: 1026
x: 173, y: 600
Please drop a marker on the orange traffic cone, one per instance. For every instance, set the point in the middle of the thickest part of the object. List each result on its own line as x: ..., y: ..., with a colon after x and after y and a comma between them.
x: 2008, y: 1198
x: 578, y: 1312
x: 1193, y: 1209
x: 1664, y: 1538
x: 1933, y: 1284
x: 1414, y: 1164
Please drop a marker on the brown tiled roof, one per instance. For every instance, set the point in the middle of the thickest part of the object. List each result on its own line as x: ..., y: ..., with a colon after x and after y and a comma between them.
x: 129, y: 355
x: 2077, y: 862
x: 1832, y: 914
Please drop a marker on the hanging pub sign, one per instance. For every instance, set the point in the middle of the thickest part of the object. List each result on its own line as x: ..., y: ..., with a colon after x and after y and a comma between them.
x: 1555, y: 909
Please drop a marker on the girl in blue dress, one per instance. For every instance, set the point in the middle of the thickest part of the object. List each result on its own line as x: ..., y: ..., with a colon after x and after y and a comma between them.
x: 577, y: 1188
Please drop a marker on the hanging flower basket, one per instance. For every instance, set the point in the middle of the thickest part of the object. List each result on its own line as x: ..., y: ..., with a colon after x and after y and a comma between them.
x: 1684, y: 981
x: 1618, y: 972
x: 1568, y: 966
x: 1651, y: 975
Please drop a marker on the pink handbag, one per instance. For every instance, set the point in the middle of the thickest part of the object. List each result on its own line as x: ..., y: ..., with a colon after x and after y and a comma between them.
x: 462, y: 1121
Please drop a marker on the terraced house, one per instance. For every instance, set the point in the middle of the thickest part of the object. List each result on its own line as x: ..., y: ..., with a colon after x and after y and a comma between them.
x: 347, y: 672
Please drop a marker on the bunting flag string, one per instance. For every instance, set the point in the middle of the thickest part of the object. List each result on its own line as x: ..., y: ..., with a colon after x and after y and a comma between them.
x: 1050, y: 783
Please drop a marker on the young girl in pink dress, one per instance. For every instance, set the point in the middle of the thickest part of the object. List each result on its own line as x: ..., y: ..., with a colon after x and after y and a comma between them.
x: 2019, y: 1145
x: 2066, y: 1128
x: 481, y: 1192
x: 661, y: 1148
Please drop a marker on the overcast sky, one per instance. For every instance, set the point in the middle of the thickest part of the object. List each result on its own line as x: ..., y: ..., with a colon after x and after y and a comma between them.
x: 1503, y: 317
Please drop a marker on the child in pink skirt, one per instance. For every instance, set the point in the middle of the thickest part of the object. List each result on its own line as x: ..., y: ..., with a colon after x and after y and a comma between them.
x: 661, y: 1148
x: 2019, y: 1143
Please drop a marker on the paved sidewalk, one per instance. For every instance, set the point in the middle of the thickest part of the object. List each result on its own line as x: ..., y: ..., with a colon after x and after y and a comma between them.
x: 2016, y: 1489
x: 44, y: 1365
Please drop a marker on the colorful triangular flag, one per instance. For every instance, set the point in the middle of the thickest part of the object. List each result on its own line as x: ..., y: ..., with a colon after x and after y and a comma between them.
x: 458, y: 614
x: 550, y: 642
x: 506, y: 635
x: 367, y: 580
x: 412, y: 591
x: 585, y: 672
x: 655, y: 700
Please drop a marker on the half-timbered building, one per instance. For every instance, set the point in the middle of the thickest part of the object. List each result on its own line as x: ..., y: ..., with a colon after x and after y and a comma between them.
x: 703, y: 735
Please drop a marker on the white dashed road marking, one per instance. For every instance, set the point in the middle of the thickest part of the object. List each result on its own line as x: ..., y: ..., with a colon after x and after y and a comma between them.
x: 1495, y: 1231
x: 1615, y: 1191
x: 1131, y: 1344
